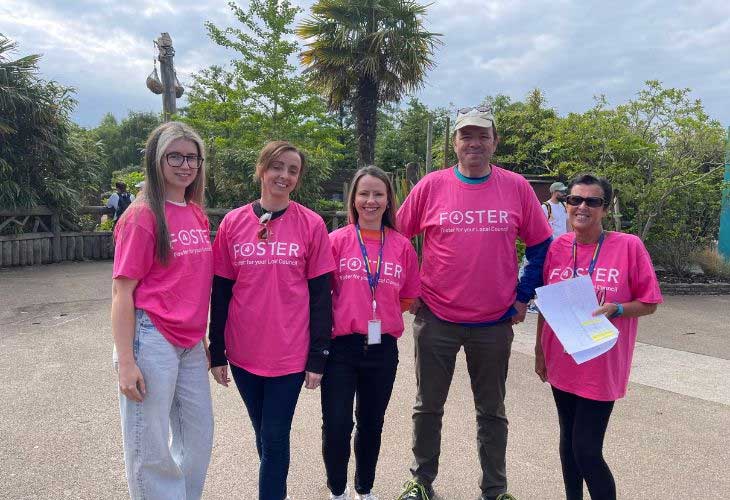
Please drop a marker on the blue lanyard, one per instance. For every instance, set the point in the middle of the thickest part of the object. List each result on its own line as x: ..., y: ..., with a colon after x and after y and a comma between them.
x: 594, y: 259
x: 373, y: 279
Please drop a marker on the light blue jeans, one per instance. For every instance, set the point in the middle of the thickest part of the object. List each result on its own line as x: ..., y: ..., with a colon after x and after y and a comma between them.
x: 168, y: 437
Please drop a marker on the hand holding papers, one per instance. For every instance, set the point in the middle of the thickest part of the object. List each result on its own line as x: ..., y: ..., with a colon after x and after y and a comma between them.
x: 567, y: 307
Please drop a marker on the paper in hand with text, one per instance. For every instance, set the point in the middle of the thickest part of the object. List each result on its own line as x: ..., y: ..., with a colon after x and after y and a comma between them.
x: 567, y: 307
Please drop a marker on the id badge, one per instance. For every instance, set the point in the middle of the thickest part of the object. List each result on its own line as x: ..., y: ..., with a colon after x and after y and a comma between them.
x: 374, y: 331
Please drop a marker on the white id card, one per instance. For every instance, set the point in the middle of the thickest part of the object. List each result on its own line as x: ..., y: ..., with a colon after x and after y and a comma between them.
x: 374, y: 331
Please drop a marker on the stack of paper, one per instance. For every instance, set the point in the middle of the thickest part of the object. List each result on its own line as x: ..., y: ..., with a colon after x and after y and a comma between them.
x: 567, y: 307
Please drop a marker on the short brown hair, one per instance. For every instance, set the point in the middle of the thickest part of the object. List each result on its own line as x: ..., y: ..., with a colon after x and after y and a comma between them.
x: 271, y: 152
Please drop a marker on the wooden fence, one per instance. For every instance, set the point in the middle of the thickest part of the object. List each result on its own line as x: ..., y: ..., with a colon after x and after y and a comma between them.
x: 45, y: 237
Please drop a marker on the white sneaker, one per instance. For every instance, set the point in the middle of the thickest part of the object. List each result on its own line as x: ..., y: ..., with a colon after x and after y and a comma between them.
x: 344, y: 496
x: 365, y: 496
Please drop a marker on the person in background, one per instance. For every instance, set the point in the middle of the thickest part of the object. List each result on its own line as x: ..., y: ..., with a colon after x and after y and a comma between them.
x: 555, y: 210
x: 626, y: 285
x: 163, y: 270
x: 271, y: 307
x: 375, y: 281
x: 120, y: 200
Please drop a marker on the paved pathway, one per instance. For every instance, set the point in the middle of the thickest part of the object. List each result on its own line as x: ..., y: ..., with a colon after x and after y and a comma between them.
x: 59, y: 424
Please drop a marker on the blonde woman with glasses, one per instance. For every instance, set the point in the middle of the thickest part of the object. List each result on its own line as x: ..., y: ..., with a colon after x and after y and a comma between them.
x: 163, y: 269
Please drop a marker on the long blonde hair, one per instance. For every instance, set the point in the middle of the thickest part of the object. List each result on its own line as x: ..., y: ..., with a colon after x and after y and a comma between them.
x: 153, y: 194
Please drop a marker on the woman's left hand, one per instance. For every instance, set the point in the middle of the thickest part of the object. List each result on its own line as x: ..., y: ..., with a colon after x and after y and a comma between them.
x: 607, y: 310
x: 312, y: 380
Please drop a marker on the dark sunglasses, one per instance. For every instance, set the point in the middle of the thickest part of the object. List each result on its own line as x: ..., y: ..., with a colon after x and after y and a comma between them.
x: 592, y: 201
x: 264, y: 232
x: 484, y: 108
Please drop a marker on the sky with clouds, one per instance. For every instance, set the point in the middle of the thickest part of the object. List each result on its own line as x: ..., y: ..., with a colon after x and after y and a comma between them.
x: 571, y: 49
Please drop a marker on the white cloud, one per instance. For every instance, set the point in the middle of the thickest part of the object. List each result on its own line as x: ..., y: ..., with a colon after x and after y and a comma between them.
x: 570, y: 49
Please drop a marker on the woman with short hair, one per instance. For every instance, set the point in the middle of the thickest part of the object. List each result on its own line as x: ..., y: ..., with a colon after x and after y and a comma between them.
x: 271, y: 309
x: 626, y: 285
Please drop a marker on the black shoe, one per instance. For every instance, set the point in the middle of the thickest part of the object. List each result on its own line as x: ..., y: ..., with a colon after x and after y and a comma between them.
x: 501, y: 496
x: 413, y: 490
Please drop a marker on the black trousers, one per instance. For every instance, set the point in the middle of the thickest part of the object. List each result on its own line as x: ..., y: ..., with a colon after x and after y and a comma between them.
x: 583, y: 424
x: 357, y: 375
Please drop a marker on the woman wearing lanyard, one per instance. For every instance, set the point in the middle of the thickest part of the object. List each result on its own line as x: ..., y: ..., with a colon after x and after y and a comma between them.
x: 271, y: 308
x: 375, y: 280
x: 626, y: 286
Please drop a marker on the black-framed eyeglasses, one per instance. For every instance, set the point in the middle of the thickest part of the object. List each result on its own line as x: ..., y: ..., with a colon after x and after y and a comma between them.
x: 483, y: 108
x: 264, y: 233
x: 176, y: 160
x: 592, y: 201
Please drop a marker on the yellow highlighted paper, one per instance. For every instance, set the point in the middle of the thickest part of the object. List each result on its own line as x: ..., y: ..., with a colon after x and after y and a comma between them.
x: 606, y: 334
x: 590, y: 322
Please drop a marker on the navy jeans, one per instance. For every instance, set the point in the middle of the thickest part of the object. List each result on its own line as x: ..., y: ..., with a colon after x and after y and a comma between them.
x: 365, y: 373
x: 270, y: 402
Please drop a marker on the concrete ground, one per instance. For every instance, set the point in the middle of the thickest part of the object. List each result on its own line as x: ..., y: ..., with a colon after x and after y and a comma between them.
x: 60, y: 434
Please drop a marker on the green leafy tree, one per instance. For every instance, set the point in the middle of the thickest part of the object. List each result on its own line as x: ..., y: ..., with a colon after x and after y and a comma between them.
x: 259, y: 98
x: 365, y: 53
x: 525, y: 130
x: 124, y: 141
x: 663, y: 154
x: 44, y: 159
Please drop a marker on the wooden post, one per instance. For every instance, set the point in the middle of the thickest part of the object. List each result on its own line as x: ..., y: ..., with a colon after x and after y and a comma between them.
x: 56, y: 230
x: 429, y: 142
x: 447, y: 134
x: 167, y: 75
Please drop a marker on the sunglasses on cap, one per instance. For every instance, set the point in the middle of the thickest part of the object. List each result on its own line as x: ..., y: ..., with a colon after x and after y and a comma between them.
x: 592, y: 201
x: 484, y: 108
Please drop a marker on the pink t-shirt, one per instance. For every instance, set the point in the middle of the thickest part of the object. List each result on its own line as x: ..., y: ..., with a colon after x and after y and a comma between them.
x: 623, y: 273
x: 351, y: 295
x: 175, y: 296
x: 469, y: 266
x: 267, y: 332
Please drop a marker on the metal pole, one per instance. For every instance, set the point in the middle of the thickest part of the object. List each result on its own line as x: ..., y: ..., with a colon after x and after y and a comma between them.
x: 167, y: 75
x: 723, y: 243
x: 429, y: 141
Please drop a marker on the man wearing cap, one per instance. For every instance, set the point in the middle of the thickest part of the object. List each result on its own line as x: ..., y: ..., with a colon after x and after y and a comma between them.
x: 470, y: 216
x: 555, y: 211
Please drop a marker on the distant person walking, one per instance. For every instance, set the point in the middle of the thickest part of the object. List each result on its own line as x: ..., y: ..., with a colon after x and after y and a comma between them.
x: 555, y: 210
x: 120, y: 200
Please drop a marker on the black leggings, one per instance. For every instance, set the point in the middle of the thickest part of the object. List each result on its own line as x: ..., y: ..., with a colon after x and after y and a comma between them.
x: 583, y: 424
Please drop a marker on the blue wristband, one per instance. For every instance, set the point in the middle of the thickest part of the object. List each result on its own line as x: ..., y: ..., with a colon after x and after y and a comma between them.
x: 619, y: 310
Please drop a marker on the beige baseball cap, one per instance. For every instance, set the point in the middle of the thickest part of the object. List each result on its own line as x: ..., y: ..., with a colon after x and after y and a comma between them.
x: 477, y: 116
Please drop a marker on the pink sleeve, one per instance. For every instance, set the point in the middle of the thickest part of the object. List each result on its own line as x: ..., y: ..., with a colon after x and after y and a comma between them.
x: 534, y: 228
x: 644, y: 284
x: 134, y: 251
x: 409, y: 214
x: 221, y: 259
x: 412, y: 287
x: 320, y: 260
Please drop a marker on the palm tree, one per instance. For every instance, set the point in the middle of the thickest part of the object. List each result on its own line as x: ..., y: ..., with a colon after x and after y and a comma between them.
x: 362, y: 53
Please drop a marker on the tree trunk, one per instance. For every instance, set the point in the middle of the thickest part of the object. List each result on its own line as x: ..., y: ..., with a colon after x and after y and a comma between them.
x: 366, y: 113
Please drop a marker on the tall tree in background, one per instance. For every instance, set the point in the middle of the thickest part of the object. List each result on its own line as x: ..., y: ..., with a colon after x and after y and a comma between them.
x: 259, y: 98
x: 365, y: 53
x: 44, y: 158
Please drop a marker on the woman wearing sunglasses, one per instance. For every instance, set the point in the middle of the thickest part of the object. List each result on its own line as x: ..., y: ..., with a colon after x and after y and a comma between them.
x: 163, y: 268
x: 375, y: 281
x: 271, y: 307
x: 627, y: 287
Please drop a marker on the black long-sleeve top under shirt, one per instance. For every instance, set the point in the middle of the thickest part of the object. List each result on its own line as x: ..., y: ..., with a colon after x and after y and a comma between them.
x: 320, y: 314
